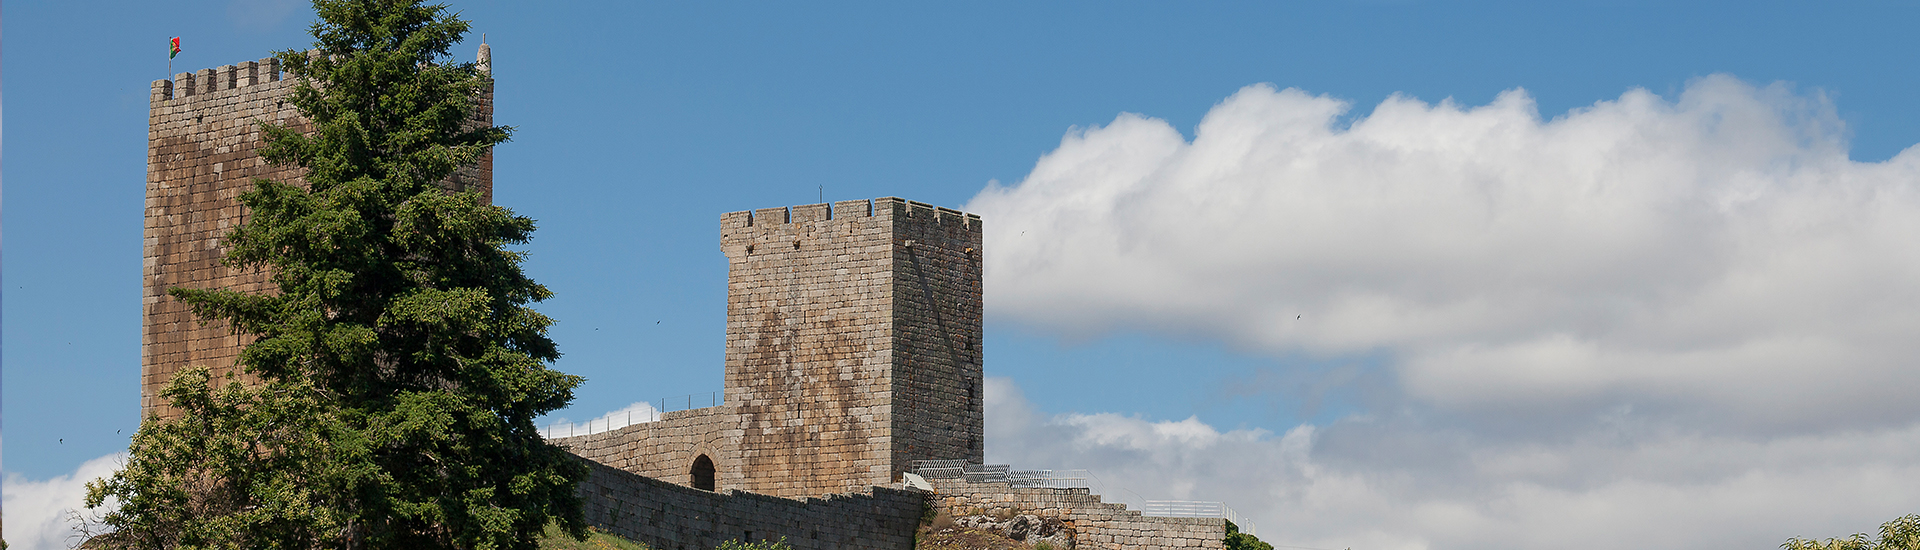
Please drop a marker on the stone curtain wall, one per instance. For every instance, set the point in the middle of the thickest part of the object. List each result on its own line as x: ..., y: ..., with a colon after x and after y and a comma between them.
x: 668, y: 516
x: 202, y: 138
x: 1099, y: 525
x: 665, y: 449
x: 850, y: 352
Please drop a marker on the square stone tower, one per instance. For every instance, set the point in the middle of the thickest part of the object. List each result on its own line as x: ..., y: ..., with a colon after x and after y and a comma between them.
x: 203, y: 136
x: 853, y: 342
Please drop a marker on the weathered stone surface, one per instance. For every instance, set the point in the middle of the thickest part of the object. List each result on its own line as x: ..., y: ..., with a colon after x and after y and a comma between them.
x: 1026, y: 528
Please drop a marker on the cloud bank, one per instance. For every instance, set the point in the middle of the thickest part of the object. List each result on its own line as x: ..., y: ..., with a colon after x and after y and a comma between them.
x: 1691, y: 315
x: 1372, y: 485
x: 38, y: 511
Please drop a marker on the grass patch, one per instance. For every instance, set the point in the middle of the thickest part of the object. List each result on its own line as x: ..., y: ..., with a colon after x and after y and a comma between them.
x: 557, y: 539
x: 761, y: 545
x: 953, y: 538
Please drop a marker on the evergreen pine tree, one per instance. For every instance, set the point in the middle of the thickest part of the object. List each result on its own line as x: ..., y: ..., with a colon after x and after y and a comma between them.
x: 399, y: 369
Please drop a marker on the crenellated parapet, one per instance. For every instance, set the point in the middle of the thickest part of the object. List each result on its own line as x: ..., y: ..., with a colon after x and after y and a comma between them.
x: 884, y: 207
x: 213, y: 81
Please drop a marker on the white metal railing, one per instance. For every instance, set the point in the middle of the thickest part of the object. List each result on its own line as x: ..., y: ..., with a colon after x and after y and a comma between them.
x: 986, y: 473
x: 1001, y: 473
x: 1196, y: 509
x: 1057, y: 479
x: 939, y: 469
x: 691, y: 401
x: 637, y: 413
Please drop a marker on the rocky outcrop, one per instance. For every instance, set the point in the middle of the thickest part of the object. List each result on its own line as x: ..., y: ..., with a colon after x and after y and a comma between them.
x: 1025, y: 528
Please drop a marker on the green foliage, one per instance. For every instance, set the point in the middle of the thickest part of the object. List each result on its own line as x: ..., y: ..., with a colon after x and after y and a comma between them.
x: 762, y: 545
x: 400, y: 366
x: 243, y: 467
x: 1237, y: 540
x: 556, y: 538
x: 1900, y: 534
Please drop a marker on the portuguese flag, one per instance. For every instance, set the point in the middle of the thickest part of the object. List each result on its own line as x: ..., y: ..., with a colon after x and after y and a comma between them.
x: 174, y: 48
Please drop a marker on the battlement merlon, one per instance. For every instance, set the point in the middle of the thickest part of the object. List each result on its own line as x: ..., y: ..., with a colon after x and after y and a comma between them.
x: 208, y: 81
x: 881, y: 207
x: 251, y: 73
x: 736, y: 228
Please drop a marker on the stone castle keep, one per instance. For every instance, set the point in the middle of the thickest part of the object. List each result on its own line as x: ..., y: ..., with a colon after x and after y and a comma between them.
x: 853, y: 350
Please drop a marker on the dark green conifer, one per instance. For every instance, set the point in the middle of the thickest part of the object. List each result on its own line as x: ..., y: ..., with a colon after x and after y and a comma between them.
x: 399, y: 366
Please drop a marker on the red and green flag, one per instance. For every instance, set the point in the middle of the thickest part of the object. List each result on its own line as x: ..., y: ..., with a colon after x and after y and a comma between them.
x: 173, y: 49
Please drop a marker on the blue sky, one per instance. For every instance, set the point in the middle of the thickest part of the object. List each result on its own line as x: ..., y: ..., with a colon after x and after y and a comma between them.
x: 637, y: 124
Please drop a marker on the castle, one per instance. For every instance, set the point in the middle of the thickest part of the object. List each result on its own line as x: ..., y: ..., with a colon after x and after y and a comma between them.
x: 853, y: 352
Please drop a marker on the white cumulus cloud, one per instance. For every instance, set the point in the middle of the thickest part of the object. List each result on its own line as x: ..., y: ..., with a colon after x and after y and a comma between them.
x: 1716, y: 255
x: 38, y: 512
x: 1372, y: 485
x: 1651, y: 322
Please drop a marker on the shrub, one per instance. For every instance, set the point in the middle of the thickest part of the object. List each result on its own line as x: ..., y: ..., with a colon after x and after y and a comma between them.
x: 943, y: 520
x: 1237, y: 540
x: 762, y: 545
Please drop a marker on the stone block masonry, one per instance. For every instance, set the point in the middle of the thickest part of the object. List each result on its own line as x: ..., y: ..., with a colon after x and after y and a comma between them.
x: 203, y: 137
x: 668, y: 516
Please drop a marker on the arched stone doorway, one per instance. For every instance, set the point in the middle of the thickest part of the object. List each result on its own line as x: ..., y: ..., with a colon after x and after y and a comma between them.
x: 702, y: 473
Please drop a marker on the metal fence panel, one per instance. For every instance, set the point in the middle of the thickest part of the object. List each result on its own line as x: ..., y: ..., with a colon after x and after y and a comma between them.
x: 1196, y: 509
